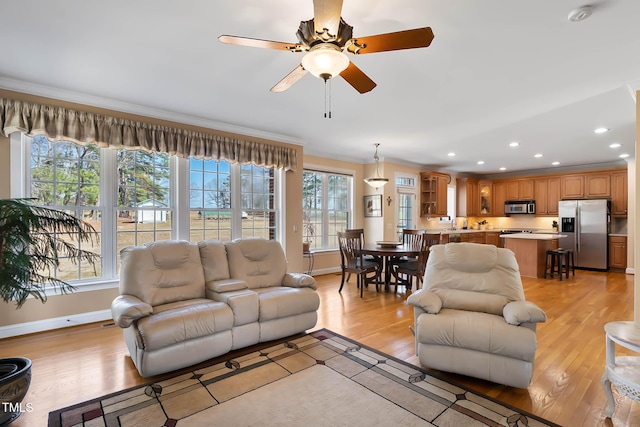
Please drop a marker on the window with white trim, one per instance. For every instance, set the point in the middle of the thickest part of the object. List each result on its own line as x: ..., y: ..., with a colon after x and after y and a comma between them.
x: 326, y: 207
x: 133, y: 197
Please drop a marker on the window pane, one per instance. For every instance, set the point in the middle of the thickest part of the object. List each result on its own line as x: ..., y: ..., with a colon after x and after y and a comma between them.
x: 211, y: 196
x: 65, y: 176
x: 325, y: 202
x: 258, y: 202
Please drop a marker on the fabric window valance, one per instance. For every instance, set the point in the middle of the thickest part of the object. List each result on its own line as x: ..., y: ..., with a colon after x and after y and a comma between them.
x: 59, y: 123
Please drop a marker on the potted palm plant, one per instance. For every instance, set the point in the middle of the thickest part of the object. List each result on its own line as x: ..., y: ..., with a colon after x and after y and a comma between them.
x: 32, y: 238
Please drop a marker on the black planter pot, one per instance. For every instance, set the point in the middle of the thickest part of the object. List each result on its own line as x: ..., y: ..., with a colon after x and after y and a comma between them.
x: 15, y: 377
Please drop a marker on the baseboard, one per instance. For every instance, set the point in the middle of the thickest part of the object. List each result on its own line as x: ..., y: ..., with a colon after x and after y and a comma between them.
x: 326, y: 271
x: 630, y: 271
x: 54, y: 323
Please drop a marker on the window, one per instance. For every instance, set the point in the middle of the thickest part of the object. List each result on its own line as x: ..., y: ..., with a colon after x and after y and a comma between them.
x: 144, y: 198
x: 407, y: 208
x: 133, y: 197
x: 216, y: 211
x: 327, y: 207
x: 451, y: 205
x: 66, y: 176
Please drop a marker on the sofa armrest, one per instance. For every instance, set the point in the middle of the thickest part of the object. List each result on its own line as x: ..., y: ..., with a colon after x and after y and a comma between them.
x: 299, y: 280
x: 126, y: 309
x: 226, y: 285
x: 517, y: 312
x: 427, y: 300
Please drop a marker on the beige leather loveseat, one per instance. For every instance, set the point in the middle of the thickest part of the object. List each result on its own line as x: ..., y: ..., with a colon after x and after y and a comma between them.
x: 182, y: 303
x: 471, y: 316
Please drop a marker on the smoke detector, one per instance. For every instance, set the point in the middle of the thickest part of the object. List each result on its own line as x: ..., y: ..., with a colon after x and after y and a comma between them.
x: 580, y: 14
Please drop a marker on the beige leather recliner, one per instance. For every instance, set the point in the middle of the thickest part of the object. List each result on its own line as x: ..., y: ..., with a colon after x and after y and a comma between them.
x: 471, y: 316
x: 182, y: 303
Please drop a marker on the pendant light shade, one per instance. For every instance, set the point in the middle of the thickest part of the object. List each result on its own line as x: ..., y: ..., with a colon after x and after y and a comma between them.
x: 376, y: 181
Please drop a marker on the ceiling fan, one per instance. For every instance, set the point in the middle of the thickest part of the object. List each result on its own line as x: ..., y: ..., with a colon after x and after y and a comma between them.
x: 326, y: 38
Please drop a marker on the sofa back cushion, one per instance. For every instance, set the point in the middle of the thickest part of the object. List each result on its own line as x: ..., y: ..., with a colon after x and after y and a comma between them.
x: 474, y: 277
x: 162, y: 272
x: 259, y: 262
x: 213, y: 255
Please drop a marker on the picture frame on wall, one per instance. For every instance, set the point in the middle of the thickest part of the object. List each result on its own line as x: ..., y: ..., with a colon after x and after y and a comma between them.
x: 373, y: 205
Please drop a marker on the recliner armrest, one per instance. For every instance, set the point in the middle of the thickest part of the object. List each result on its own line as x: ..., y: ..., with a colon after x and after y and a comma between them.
x: 427, y: 300
x: 299, y: 280
x: 518, y: 312
x: 126, y: 309
x: 226, y: 285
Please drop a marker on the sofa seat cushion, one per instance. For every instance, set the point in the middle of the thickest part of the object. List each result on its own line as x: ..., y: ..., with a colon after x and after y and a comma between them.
x: 477, y: 331
x: 280, y: 301
x: 183, y: 320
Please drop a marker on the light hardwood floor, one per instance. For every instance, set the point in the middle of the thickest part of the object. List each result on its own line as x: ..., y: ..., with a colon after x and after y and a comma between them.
x: 80, y: 363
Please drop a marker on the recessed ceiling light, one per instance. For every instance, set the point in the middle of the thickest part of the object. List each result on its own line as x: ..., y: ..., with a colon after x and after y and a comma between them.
x: 481, y: 162
x: 514, y: 144
x: 624, y: 156
x: 555, y: 163
x: 537, y: 156
x: 615, y: 145
x: 503, y: 168
x: 451, y: 154
x: 601, y: 130
x: 580, y: 14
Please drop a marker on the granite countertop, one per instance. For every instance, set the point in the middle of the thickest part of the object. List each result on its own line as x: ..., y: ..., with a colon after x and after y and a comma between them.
x: 534, y: 236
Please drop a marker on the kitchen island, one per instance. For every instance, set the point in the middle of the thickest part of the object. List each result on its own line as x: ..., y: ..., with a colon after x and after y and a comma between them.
x: 531, y: 250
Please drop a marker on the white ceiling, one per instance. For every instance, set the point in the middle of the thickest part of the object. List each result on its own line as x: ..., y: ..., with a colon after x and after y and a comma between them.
x: 497, y: 71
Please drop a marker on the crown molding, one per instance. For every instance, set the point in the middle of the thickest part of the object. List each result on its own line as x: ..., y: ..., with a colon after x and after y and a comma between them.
x: 125, y: 107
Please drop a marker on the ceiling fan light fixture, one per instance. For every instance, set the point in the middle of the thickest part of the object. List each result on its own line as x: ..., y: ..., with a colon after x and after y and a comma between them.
x: 325, y: 61
x: 376, y: 181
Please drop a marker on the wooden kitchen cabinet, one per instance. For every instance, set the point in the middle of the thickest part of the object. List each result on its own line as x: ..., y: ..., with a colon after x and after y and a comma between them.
x: 477, y: 237
x: 597, y: 185
x: 526, y: 189
x: 499, y: 197
x: 572, y: 187
x: 619, y: 194
x: 617, y: 252
x: 519, y: 189
x: 547, y: 192
x: 485, y: 190
x: 492, y: 238
x: 553, y: 195
x: 467, y: 203
x: 433, y: 194
x: 511, y: 190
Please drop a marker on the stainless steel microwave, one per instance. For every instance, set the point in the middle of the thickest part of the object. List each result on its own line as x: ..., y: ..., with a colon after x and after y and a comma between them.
x: 512, y: 207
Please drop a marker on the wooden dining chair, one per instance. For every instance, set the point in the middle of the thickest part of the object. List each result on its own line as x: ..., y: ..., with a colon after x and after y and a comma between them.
x: 405, y: 272
x: 354, y: 262
x: 366, y: 257
x: 410, y: 238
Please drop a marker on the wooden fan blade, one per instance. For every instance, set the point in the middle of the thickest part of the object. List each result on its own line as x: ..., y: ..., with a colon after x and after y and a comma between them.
x: 326, y: 15
x: 289, y: 79
x: 409, y: 39
x: 356, y: 78
x: 267, y: 44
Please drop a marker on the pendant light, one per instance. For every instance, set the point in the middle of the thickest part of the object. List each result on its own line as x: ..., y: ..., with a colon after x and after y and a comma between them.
x: 376, y: 181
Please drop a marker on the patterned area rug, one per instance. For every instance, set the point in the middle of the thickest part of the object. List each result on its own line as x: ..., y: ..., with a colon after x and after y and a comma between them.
x: 319, y: 379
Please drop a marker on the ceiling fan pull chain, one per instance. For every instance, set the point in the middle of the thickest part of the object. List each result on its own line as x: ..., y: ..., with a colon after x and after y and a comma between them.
x: 327, y: 98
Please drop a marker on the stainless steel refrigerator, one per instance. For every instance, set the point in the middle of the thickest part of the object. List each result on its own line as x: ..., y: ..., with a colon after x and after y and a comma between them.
x: 586, y: 224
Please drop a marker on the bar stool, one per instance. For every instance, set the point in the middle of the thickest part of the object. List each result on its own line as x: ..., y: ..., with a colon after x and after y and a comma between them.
x: 563, y: 259
x: 553, y: 258
x: 568, y: 263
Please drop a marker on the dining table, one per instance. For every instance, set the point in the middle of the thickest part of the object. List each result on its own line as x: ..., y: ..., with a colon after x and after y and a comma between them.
x: 388, y: 251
